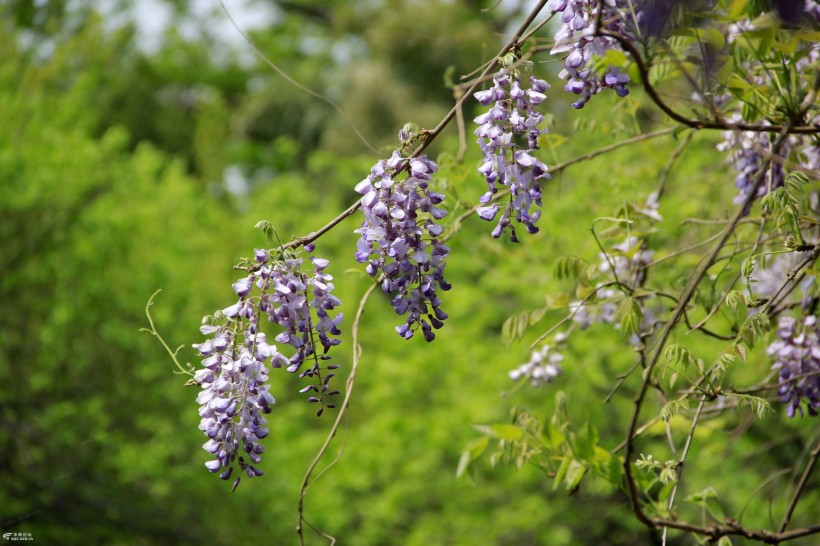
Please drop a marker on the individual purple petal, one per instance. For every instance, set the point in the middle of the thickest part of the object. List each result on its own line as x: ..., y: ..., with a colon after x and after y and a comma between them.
x: 487, y: 213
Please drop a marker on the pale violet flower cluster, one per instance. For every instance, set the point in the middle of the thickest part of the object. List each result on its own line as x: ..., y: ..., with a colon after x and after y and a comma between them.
x: 796, y: 356
x: 576, y: 39
x: 767, y: 281
x: 400, y: 239
x: 237, y: 359
x: 629, y: 271
x: 543, y: 366
x: 508, y: 135
x: 747, y: 153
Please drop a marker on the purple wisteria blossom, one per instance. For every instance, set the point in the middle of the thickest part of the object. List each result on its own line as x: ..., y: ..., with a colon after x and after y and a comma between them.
x: 576, y: 39
x: 237, y: 359
x: 747, y: 151
x: 796, y: 355
x: 234, y: 398
x: 508, y: 135
x: 400, y: 239
x: 767, y: 281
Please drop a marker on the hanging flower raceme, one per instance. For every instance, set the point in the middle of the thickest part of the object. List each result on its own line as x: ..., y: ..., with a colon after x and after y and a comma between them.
x: 796, y: 355
x: 576, y: 39
x: 400, y: 240
x: 508, y: 135
x: 238, y: 357
x: 543, y: 366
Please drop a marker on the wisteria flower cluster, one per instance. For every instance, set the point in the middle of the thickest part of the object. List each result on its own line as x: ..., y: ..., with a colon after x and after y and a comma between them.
x: 576, y: 39
x: 747, y: 152
x: 543, y: 366
x: 508, y: 135
x: 238, y: 357
x: 400, y: 239
x: 796, y: 355
x: 767, y: 281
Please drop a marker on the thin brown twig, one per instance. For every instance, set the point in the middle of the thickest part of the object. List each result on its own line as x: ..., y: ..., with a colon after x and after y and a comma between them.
x: 681, y: 462
x: 667, y: 170
x: 351, y: 378
x: 562, y: 166
x: 732, y: 284
x: 293, y: 82
x: 790, y: 276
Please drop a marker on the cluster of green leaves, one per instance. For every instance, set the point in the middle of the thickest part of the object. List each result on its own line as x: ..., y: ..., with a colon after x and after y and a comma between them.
x: 565, y: 454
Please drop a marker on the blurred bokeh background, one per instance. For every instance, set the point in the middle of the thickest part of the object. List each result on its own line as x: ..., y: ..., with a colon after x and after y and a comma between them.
x: 140, y: 141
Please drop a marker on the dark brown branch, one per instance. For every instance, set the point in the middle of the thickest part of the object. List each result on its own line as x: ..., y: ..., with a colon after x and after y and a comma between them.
x: 643, y: 70
x: 801, y: 485
x: 677, y: 315
x: 733, y: 528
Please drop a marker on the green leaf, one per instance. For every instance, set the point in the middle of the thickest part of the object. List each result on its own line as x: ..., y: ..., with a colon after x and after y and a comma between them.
x: 631, y: 314
x: 733, y: 298
x: 741, y: 351
x: 267, y: 229
x: 561, y: 472
x: 613, y: 471
x: 668, y: 475
x: 673, y: 408
x: 514, y: 328
x: 463, y: 463
x: 510, y: 433
x: 753, y: 329
x: 473, y: 451
x: 508, y: 330
x: 721, y: 365
x: 568, y: 267
x: 702, y: 495
x: 575, y: 472
x: 554, y: 436
x: 537, y: 315
x: 759, y: 405
x: 557, y: 301
x: 737, y: 8
x: 679, y: 354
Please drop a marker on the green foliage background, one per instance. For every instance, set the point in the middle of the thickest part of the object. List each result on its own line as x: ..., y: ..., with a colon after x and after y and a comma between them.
x: 112, y: 161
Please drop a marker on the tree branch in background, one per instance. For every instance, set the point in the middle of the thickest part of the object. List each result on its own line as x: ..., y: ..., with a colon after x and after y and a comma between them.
x: 697, y: 123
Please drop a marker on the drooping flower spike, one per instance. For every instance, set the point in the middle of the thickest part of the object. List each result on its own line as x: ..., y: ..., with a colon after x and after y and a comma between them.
x: 400, y: 240
x: 237, y: 359
x: 508, y: 135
